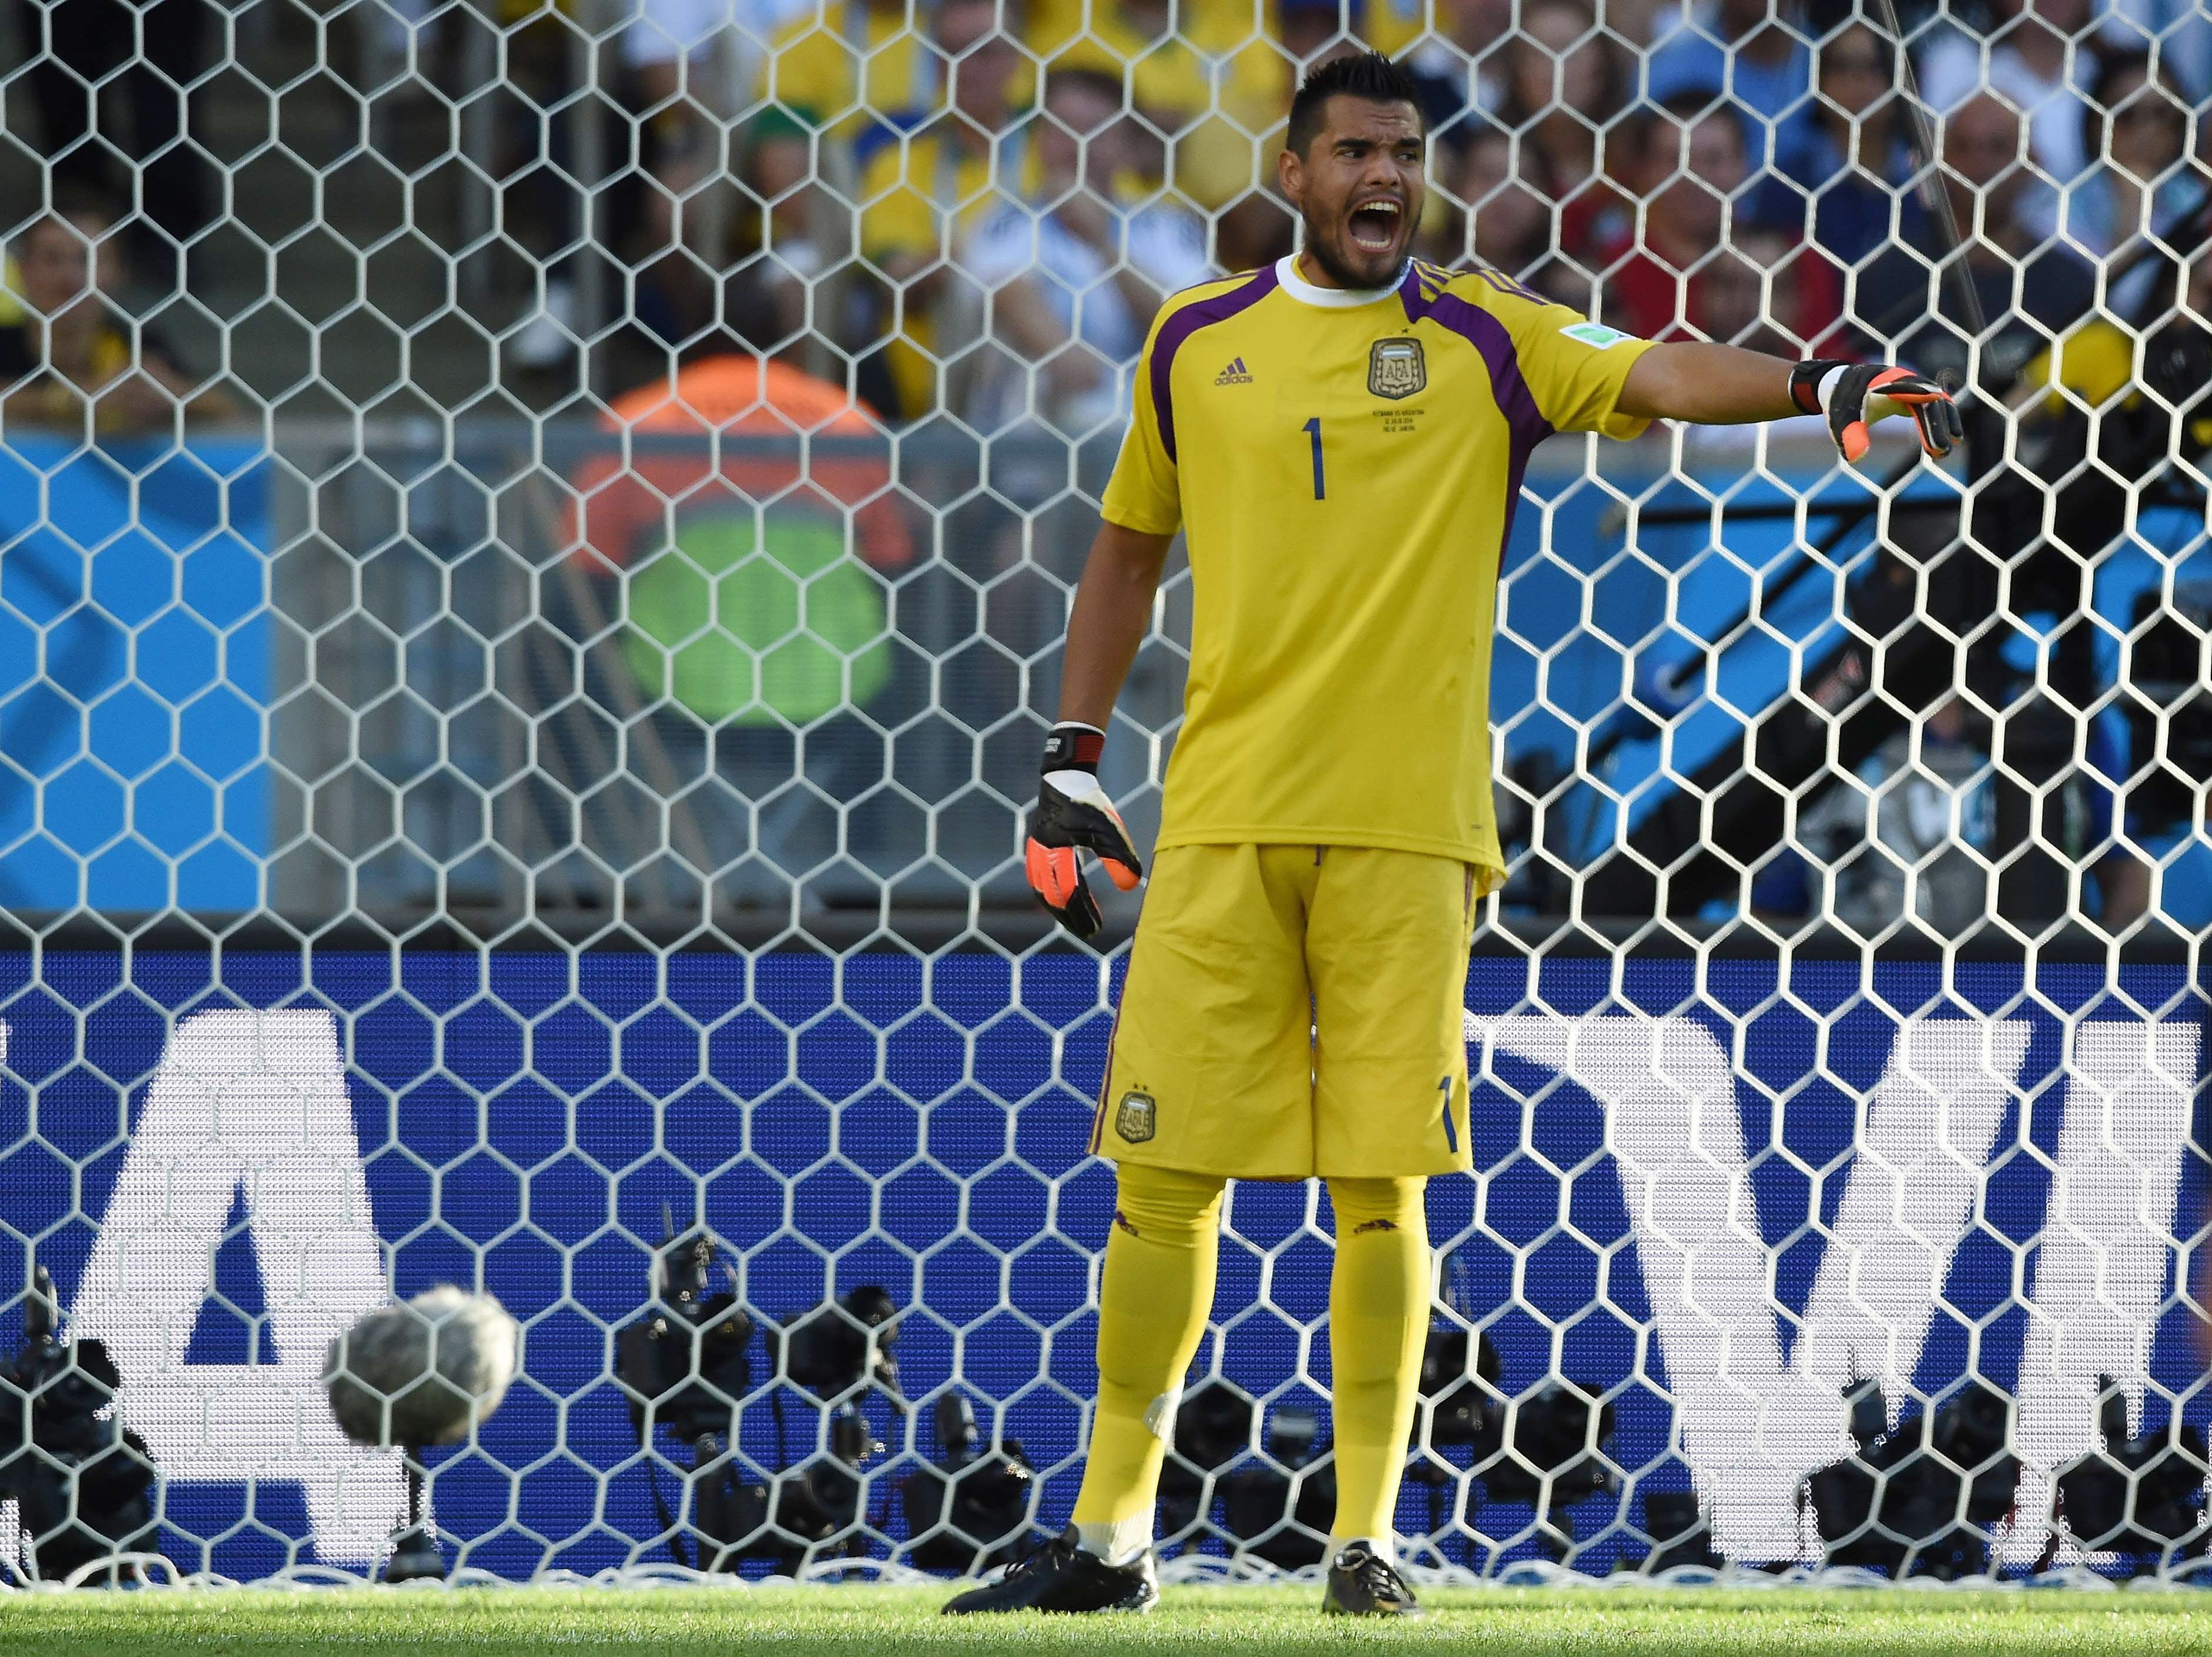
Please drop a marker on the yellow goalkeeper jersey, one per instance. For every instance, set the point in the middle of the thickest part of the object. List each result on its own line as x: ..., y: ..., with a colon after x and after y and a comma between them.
x: 1345, y: 467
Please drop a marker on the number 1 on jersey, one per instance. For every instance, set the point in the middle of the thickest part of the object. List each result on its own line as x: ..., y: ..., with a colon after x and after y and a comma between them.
x: 1312, y: 429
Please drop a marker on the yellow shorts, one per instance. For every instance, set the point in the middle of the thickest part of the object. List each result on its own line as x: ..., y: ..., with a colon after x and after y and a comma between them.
x: 1294, y: 1010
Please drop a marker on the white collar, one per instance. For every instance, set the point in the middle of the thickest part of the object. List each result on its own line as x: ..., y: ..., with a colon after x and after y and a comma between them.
x: 1328, y: 298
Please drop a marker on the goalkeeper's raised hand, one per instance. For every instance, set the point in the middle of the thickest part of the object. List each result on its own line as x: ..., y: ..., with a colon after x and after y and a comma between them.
x: 1852, y: 396
x: 1072, y: 817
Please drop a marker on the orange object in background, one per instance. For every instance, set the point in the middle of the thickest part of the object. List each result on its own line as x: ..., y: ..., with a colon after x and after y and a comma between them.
x: 753, y: 594
x: 624, y: 504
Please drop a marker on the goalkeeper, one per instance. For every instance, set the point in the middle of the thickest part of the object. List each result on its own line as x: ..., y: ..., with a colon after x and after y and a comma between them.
x: 1340, y: 437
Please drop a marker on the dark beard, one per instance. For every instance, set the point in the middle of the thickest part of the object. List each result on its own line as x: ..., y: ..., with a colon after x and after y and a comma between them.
x: 1333, y: 267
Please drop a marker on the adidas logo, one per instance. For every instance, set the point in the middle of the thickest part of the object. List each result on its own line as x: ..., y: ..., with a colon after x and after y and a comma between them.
x: 1235, y: 374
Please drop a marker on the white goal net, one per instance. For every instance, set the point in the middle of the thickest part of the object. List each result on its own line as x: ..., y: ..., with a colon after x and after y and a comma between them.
x: 534, y: 541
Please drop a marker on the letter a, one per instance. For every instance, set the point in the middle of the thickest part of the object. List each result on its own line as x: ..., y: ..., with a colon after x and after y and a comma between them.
x: 257, y: 1099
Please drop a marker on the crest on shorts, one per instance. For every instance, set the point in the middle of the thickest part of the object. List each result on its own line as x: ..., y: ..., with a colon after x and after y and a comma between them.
x: 1396, y: 368
x: 1136, y: 1118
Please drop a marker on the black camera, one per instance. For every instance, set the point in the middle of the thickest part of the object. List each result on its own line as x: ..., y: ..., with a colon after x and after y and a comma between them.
x: 1212, y: 1428
x: 982, y: 1501
x: 684, y: 1365
x: 1282, y: 1514
x: 789, y: 1515
x: 2142, y: 1494
x: 1459, y: 1392
x: 1922, y: 1499
x: 1457, y: 1403
x: 1558, y: 1439
x: 81, y: 1481
x: 844, y: 1345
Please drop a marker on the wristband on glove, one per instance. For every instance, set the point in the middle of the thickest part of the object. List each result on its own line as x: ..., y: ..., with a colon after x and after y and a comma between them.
x: 1805, y: 383
x: 1073, y: 814
x: 1852, y: 396
x: 1071, y: 747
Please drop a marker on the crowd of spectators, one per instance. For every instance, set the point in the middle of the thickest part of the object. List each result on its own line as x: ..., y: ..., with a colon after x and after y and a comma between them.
x: 982, y: 201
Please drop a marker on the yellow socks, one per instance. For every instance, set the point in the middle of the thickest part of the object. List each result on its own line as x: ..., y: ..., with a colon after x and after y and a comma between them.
x: 1161, y: 1256
x: 1378, y: 1319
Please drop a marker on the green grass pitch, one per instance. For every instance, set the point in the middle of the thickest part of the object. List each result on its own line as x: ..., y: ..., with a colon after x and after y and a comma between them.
x: 874, y: 1622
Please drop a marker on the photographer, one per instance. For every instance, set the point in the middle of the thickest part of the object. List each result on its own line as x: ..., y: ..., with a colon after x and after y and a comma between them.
x: 2101, y: 444
x: 686, y: 1366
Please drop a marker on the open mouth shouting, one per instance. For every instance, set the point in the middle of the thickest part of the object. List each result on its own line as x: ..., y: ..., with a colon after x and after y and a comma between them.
x: 1377, y: 226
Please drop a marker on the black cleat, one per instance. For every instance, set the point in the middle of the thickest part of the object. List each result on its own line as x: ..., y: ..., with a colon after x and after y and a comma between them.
x: 1061, y: 1576
x: 1363, y: 1583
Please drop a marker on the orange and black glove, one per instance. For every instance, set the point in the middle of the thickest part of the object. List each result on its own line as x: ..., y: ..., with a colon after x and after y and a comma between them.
x: 1074, y: 816
x: 1852, y: 396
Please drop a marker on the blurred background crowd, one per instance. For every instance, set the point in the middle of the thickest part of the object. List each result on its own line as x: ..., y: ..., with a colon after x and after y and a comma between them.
x: 974, y: 206
x: 951, y: 222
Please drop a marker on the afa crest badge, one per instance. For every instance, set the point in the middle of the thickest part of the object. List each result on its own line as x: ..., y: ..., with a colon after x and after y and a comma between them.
x: 1396, y: 368
x: 1137, y: 1118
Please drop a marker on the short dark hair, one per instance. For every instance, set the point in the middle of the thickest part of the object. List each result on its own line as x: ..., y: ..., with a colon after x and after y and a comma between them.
x: 1367, y: 75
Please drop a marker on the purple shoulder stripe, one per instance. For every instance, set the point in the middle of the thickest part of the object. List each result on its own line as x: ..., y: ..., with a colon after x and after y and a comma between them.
x: 1409, y: 292
x: 1489, y: 337
x: 1185, y: 323
x: 1516, y: 401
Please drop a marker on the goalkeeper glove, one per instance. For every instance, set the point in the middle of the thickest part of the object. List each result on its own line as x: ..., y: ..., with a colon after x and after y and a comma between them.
x: 1074, y: 816
x: 1854, y: 394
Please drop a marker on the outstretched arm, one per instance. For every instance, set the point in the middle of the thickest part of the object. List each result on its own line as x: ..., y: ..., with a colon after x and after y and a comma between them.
x: 1726, y: 385
x: 1709, y: 385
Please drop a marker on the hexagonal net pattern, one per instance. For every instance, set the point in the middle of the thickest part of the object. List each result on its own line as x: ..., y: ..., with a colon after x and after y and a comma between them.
x: 534, y: 546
